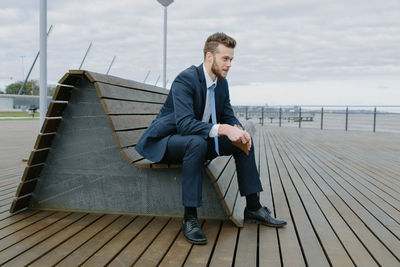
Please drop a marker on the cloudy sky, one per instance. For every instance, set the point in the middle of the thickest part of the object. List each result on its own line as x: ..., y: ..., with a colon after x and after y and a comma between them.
x: 288, y: 52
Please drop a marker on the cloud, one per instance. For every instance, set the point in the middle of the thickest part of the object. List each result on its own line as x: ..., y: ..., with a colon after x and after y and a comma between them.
x: 286, y: 41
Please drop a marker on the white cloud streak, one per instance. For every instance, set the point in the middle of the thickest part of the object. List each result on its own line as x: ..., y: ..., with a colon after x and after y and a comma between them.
x: 279, y: 42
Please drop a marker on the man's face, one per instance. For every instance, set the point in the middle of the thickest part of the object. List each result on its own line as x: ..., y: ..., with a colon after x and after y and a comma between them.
x: 222, y: 61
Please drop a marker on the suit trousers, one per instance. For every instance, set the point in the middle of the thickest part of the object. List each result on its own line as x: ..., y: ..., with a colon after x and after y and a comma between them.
x: 193, y: 151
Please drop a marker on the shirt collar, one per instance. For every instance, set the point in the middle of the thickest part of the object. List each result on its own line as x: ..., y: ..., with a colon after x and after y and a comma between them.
x: 209, y: 81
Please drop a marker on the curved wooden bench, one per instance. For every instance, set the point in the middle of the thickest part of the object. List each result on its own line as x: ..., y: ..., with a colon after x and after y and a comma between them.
x: 84, y: 156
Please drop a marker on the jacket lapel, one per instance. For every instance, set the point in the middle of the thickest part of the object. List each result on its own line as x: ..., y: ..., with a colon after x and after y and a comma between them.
x: 203, y: 84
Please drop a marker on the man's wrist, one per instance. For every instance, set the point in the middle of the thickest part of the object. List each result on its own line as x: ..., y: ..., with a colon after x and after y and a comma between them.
x: 214, y: 131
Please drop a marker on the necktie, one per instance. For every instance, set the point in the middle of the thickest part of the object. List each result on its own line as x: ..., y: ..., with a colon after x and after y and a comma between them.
x: 213, y: 114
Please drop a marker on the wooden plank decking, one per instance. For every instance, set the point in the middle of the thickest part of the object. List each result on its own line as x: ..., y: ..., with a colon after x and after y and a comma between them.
x: 339, y: 192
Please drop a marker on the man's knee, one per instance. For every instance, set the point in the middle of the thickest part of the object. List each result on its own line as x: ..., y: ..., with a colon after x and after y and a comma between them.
x: 197, y: 144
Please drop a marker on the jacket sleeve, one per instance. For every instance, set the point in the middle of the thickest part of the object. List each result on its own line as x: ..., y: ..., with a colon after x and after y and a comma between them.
x: 228, y: 116
x: 186, y: 123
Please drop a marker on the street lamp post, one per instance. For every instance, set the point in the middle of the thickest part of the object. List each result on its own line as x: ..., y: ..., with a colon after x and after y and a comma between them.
x: 165, y: 3
x: 43, y: 61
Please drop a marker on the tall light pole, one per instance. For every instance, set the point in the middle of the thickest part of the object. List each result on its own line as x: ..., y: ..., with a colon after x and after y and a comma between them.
x: 165, y: 3
x: 22, y: 59
x: 43, y: 61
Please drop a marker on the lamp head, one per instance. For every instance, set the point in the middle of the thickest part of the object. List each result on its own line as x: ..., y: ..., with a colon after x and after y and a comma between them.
x: 165, y: 2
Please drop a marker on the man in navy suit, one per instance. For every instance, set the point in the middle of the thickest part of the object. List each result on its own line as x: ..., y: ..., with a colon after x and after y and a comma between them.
x: 197, y: 123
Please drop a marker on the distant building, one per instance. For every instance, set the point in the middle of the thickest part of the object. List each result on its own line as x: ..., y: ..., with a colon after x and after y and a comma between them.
x: 19, y: 102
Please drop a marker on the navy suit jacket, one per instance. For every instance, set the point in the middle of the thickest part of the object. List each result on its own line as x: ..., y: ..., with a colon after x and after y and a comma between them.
x: 182, y: 112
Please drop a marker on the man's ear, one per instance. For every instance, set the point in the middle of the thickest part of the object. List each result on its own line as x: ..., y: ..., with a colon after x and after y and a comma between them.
x: 209, y: 57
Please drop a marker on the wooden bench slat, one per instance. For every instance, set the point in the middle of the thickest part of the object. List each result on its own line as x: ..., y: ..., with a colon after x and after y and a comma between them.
x: 230, y: 197
x: 26, y: 187
x: 56, y: 109
x: 125, y: 122
x: 38, y: 156
x: 128, y: 138
x: 71, y: 78
x: 216, y: 166
x: 226, y: 176
x: 62, y: 93
x: 97, y: 77
x: 44, y: 140
x: 117, y: 92
x: 131, y: 154
x: 20, y: 203
x: 237, y: 216
x: 113, y: 107
x: 32, y: 172
x: 50, y: 125
x: 147, y: 164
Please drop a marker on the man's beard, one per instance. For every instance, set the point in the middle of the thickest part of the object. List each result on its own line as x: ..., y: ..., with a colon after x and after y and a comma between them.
x: 216, y: 70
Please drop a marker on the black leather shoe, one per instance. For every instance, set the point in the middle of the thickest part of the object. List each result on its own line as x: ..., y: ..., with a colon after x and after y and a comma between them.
x: 192, y: 231
x: 262, y: 216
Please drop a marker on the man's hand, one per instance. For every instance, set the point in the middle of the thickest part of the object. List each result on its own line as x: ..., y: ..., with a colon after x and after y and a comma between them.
x: 235, y: 134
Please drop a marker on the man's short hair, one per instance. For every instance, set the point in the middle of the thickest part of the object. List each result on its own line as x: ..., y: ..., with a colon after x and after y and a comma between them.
x: 215, y: 39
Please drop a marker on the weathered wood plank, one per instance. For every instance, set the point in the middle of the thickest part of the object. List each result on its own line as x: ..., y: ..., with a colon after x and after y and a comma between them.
x: 117, y: 92
x: 144, y: 163
x: 178, y: 252
x: 58, y: 238
x: 112, y: 248
x: 217, y: 166
x: 38, y: 156
x: 32, y: 172
x: 224, y: 180
x: 200, y: 255
x: 62, y: 93
x: 89, y: 248
x: 34, y: 239
x: 44, y: 141
x: 229, y: 198
x: 126, y: 122
x: 17, y: 217
x: 114, y: 107
x: 131, y: 154
x: 33, y: 228
x: 225, y: 246
x: 237, y: 216
x: 27, y: 187
x: 13, y: 228
x: 20, y: 203
x: 58, y: 253
x: 367, y: 228
x: 268, y: 236
x: 153, y: 255
x: 56, y: 109
x: 128, y: 138
x: 289, y: 243
x: 97, y: 77
x: 310, y: 240
x: 131, y: 253
x: 50, y: 125
x: 71, y: 78
x: 246, y: 252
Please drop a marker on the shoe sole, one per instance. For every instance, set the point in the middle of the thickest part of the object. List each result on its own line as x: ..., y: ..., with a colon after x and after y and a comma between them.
x: 266, y: 224
x: 195, y: 242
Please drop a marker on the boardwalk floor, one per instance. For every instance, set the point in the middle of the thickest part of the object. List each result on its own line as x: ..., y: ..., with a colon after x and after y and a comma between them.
x: 339, y: 192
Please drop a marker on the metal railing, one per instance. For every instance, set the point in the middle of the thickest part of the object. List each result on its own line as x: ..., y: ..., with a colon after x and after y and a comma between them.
x: 351, y: 117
